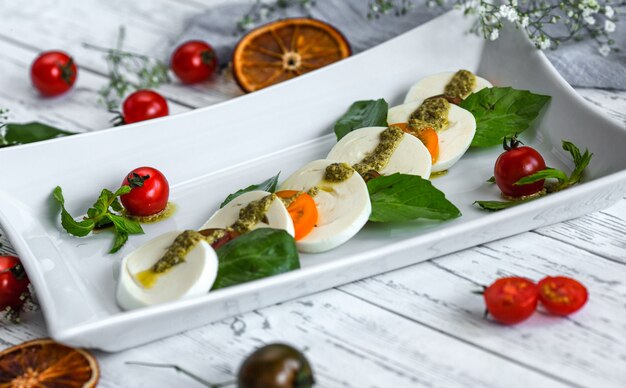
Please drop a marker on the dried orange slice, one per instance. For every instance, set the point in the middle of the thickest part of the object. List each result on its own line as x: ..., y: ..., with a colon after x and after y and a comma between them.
x: 284, y: 49
x: 43, y: 363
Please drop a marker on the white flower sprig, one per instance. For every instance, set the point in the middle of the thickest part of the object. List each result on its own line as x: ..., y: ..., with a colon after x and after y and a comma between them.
x: 548, y: 23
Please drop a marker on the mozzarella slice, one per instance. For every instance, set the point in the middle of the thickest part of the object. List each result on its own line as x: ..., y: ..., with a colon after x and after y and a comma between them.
x: 435, y: 84
x: 277, y: 215
x: 343, y: 207
x: 453, y: 140
x: 192, y: 278
x: 410, y: 157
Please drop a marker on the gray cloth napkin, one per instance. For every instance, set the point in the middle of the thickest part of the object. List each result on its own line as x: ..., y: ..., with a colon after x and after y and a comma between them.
x: 578, y: 62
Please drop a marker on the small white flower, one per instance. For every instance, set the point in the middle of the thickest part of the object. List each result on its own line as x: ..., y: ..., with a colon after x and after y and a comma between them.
x: 495, y: 33
x: 514, y: 3
x: 570, y: 13
x: 524, y: 22
x: 590, y: 20
x: 605, y: 50
x: 542, y: 42
x: 608, y: 11
x: 609, y: 26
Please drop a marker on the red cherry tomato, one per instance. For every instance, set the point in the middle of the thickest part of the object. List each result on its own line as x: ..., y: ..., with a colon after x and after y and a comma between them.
x: 511, y: 300
x: 149, y: 194
x: 561, y: 295
x: 53, y: 73
x: 194, y: 61
x: 514, y: 164
x: 143, y: 105
x: 13, y: 283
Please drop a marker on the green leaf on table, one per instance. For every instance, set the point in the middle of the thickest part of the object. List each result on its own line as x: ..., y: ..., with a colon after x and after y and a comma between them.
x: 255, y: 255
x: 73, y: 227
x: 361, y: 114
x: 401, y: 197
x: 31, y: 132
x: 267, y: 185
x: 502, y: 112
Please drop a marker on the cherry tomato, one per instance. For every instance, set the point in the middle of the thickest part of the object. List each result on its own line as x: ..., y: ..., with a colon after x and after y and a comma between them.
x: 143, y: 105
x: 53, y: 73
x: 194, y: 61
x: 514, y: 164
x: 13, y: 283
x: 561, y: 295
x: 149, y: 194
x: 511, y: 300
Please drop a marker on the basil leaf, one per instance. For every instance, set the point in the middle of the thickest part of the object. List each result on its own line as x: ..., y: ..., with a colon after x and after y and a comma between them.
x: 500, y: 205
x: 268, y: 185
x: 361, y: 114
x: 31, y: 132
x: 580, y: 161
x: 73, y: 227
x: 547, y: 173
x: 255, y: 255
x: 401, y: 197
x: 125, y: 225
x: 502, y: 112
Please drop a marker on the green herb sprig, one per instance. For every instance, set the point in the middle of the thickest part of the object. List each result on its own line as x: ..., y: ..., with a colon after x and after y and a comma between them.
x: 267, y: 185
x: 261, y: 11
x: 128, y: 71
x: 104, y: 212
x: 14, y: 134
x: 562, y: 179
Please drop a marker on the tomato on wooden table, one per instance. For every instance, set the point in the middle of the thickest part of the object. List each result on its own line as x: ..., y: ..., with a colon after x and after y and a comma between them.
x: 514, y: 164
x: 149, y: 194
x: 194, y: 61
x: 13, y: 283
x: 511, y: 300
x: 143, y: 105
x: 561, y: 295
x: 53, y: 73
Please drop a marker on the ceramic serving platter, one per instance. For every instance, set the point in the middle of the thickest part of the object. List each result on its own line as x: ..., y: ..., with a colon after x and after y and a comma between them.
x: 211, y: 152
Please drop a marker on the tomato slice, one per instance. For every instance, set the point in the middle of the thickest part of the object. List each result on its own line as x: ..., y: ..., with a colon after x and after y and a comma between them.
x: 303, y: 212
x: 511, y: 300
x: 561, y: 295
x: 428, y: 136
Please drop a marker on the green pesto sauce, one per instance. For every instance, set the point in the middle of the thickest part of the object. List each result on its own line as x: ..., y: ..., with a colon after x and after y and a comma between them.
x: 249, y: 216
x: 252, y: 214
x: 338, y: 172
x: 416, y: 126
x: 176, y: 253
x: 390, y: 138
x: 433, y: 111
x: 461, y: 84
x: 170, y: 208
x: 313, y: 191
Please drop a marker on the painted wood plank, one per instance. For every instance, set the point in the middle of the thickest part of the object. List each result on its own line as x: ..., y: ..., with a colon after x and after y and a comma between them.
x: 349, y: 342
x: 612, y: 102
x: 586, y: 349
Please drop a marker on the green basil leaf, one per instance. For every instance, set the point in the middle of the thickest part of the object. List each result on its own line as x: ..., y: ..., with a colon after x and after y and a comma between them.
x: 580, y: 161
x: 361, y: 114
x: 401, y: 197
x: 267, y: 185
x: 502, y: 112
x: 547, y: 173
x: 125, y: 225
x: 31, y: 132
x: 255, y: 255
x: 120, y: 240
x: 73, y: 227
x: 499, y: 205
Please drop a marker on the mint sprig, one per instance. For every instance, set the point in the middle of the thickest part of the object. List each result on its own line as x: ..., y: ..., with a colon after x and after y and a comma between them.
x: 101, y: 214
x: 563, y: 181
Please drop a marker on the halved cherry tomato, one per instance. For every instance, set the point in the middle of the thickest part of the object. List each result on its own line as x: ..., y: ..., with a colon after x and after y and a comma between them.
x: 302, y: 210
x: 511, y: 300
x: 561, y: 295
x: 428, y: 136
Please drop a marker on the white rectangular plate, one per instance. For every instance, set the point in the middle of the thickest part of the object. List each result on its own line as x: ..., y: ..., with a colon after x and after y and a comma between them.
x: 211, y: 152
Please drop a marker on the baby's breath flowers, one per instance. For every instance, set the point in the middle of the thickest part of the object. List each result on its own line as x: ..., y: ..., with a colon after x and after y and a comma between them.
x: 547, y: 23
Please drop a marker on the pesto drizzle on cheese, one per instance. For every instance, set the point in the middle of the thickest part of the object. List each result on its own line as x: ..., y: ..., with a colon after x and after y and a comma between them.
x: 390, y: 138
x: 461, y: 84
x: 432, y: 113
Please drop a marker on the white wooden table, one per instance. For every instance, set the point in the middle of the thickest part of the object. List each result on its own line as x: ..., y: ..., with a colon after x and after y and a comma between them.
x: 420, y: 326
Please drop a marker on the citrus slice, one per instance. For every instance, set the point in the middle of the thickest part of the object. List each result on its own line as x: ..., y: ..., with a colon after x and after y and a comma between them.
x: 43, y: 363
x: 284, y: 49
